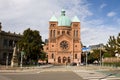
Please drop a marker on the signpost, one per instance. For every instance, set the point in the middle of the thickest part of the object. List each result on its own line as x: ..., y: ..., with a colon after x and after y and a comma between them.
x: 86, y: 50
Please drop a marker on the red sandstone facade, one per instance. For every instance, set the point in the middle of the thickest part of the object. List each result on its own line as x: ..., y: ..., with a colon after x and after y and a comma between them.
x: 64, y: 43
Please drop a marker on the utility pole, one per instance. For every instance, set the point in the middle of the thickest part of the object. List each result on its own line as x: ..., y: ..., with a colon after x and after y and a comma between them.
x: 86, y: 51
x: 86, y: 58
x: 101, y: 54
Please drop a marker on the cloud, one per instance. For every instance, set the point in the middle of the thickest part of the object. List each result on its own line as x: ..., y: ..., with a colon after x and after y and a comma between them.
x: 94, y: 33
x: 111, y: 14
x: 103, y: 5
x: 17, y: 15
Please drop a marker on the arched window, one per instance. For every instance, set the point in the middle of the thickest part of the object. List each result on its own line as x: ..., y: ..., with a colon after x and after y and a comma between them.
x: 50, y: 33
x: 76, y: 33
x: 58, y: 32
x: 52, y: 55
x: 63, y: 32
x: 75, y: 56
x: 68, y: 32
x: 54, y: 33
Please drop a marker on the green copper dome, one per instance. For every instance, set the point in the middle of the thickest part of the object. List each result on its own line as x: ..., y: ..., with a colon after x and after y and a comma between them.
x: 64, y: 20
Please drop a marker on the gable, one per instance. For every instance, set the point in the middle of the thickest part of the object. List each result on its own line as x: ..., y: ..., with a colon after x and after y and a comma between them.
x: 64, y: 37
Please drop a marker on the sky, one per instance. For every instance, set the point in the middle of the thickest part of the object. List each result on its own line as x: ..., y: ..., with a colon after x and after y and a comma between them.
x: 99, y: 19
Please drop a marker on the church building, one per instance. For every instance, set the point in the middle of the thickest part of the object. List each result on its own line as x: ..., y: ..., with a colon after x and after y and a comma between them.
x: 64, y: 42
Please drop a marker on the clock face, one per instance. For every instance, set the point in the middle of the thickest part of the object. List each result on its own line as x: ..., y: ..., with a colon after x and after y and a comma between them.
x: 64, y: 45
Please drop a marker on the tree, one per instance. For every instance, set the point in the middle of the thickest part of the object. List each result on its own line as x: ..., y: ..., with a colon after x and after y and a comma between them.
x: 95, y: 55
x: 118, y: 43
x: 111, y: 46
x: 32, y: 45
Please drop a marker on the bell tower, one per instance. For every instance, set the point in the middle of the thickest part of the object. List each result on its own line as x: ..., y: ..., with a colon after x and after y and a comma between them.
x: 76, y: 29
x: 52, y: 28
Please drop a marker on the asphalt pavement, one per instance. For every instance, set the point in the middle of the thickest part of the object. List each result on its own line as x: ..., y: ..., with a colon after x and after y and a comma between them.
x: 49, y: 72
x: 59, y: 75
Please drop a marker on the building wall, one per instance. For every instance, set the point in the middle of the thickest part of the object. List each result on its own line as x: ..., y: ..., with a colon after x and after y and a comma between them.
x: 7, y: 42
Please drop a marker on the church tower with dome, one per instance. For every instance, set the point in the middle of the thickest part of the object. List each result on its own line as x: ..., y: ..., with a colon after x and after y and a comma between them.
x: 64, y: 42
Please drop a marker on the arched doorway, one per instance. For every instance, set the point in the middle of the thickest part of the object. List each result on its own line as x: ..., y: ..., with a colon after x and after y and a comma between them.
x: 64, y: 59
x: 59, y: 59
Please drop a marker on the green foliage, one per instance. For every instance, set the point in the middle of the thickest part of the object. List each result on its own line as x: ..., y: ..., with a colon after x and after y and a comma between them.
x: 95, y: 55
x: 31, y: 43
x: 43, y: 56
x: 114, y: 64
x: 113, y: 45
x: 106, y: 55
x: 118, y: 43
x: 111, y: 48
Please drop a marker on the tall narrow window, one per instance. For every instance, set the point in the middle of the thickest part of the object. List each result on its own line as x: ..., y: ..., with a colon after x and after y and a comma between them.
x: 5, y: 43
x: 54, y: 33
x: 75, y: 56
x: 52, y: 55
x: 58, y: 32
x: 63, y: 32
x: 4, y: 55
x: 50, y: 33
x: 76, y: 33
x: 68, y: 32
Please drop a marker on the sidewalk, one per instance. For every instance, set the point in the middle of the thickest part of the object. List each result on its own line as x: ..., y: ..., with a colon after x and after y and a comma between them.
x: 97, y: 72
x: 23, y: 69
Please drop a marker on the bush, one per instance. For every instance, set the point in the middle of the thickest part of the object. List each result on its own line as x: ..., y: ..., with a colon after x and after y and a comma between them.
x: 115, y: 64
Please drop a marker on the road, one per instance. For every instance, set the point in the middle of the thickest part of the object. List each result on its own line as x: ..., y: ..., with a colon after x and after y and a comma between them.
x: 59, y: 75
x: 62, y: 73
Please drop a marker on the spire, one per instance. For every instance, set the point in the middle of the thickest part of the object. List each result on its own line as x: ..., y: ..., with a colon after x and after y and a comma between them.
x: 63, y: 12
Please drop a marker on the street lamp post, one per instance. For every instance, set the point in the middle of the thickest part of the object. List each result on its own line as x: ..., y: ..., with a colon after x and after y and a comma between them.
x: 86, y: 57
x: 86, y: 50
